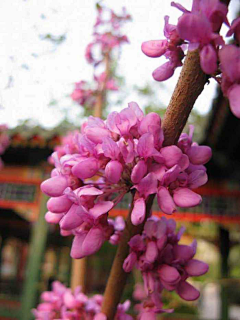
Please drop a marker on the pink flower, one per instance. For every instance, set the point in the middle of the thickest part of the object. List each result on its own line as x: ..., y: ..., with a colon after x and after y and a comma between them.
x: 230, y: 65
x: 164, y: 72
x: 234, y: 99
x: 208, y: 59
x: 55, y: 186
x: 138, y: 213
x: 154, y: 48
x: 63, y: 303
x: 235, y: 29
x: 111, y: 158
x: 164, y: 264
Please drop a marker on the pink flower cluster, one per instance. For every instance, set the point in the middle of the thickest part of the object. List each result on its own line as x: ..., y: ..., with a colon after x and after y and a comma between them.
x: 164, y: 264
x: 198, y: 29
x: 85, y: 93
x: 229, y: 57
x: 68, y: 145
x: 107, y: 33
x: 106, y: 37
x: 62, y: 303
x: 123, y: 154
x: 4, y: 141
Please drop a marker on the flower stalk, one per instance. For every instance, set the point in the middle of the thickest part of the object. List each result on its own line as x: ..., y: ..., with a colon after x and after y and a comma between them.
x: 101, y: 94
x: 117, y: 278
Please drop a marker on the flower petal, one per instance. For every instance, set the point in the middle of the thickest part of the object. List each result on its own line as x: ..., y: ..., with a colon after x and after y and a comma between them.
x: 51, y: 217
x: 165, y: 201
x: 208, y: 59
x: 169, y: 274
x: 196, y: 268
x: 59, y: 204
x: 185, y: 198
x: 172, y: 155
x: 187, y: 292
x: 145, y: 145
x: 151, y: 252
x: 195, y: 28
x: 150, y: 119
x: 164, y: 72
x: 199, y: 154
x: 138, y: 212
x: 100, y: 316
x: 129, y: 262
x: 138, y: 171
x: 55, y: 186
x: 76, y: 250
x: 183, y: 252
x: 113, y: 171
x: 197, y: 178
x: 148, y: 185
x: 234, y: 100
x: 154, y: 48
x: 110, y: 148
x: 73, y: 218
x: 101, y: 208
x: 86, y: 168
x: 93, y: 241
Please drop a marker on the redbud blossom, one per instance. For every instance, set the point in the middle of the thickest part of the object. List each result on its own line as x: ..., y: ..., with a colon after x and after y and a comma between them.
x: 62, y: 303
x: 199, y: 29
x: 108, y: 159
x: 164, y: 264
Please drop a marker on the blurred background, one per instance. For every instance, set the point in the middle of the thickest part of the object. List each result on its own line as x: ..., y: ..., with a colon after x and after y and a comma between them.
x: 42, y: 57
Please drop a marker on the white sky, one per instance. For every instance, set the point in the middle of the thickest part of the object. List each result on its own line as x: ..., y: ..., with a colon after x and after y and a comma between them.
x: 34, y: 72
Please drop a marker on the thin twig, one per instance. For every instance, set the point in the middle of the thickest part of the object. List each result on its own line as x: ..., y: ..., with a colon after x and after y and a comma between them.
x: 101, y: 95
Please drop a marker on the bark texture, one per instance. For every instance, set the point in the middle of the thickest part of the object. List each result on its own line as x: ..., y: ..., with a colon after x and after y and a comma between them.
x: 189, y: 86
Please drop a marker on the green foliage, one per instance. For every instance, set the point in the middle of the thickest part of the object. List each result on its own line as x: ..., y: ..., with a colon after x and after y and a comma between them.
x: 53, y: 102
x: 234, y: 258
x: 199, y: 121
x: 145, y: 91
x: 172, y: 300
x: 29, y: 127
x: 54, y: 39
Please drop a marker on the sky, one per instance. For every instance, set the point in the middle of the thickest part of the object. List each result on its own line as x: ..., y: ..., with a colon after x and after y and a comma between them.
x: 36, y: 72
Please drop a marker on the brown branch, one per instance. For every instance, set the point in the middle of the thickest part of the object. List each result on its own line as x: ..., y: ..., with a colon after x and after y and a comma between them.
x: 117, y: 278
x: 101, y: 95
x: 190, y: 84
x: 78, y: 274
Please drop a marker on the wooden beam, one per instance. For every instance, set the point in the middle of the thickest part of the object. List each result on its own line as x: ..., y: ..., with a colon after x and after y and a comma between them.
x: 35, y: 257
x: 79, y: 274
x: 224, y: 241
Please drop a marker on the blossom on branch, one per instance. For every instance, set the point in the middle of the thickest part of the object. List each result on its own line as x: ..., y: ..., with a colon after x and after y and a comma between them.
x: 164, y: 264
x: 85, y: 94
x: 106, y: 44
x: 111, y: 158
x: 63, y: 303
x: 199, y: 29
